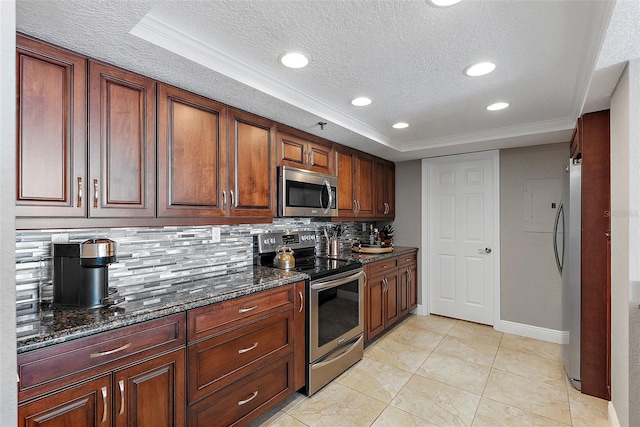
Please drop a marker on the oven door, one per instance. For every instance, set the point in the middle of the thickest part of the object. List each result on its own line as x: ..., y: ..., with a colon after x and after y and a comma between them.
x: 336, y: 312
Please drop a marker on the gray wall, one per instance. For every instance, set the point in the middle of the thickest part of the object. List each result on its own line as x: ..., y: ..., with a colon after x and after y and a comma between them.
x: 8, y: 393
x: 625, y: 247
x: 529, y: 281
x: 408, y: 222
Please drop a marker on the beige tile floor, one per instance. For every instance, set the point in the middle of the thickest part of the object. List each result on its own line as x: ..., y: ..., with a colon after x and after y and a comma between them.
x: 436, y: 371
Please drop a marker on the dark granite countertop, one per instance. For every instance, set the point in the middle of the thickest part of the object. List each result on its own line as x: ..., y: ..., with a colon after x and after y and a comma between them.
x: 369, y: 258
x: 51, y: 326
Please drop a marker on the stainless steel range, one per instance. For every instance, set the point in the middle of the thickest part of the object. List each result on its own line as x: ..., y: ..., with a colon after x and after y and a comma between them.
x: 335, y: 301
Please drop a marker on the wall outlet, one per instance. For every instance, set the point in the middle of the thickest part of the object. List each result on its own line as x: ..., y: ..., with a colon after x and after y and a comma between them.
x: 60, y: 238
x: 215, y: 234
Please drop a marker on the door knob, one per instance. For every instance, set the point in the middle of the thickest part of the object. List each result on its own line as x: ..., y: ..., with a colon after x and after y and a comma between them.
x: 485, y: 251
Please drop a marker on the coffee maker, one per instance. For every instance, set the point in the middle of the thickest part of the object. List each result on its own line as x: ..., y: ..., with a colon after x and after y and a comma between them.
x: 81, y: 273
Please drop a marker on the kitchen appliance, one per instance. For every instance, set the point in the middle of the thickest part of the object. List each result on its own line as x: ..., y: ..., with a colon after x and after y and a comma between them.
x: 284, y: 258
x: 303, y: 193
x: 81, y: 273
x: 334, y: 301
x: 567, y: 249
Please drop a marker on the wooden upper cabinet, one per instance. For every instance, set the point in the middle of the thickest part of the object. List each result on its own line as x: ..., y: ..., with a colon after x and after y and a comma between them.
x: 252, y: 165
x: 122, y: 143
x: 363, y: 173
x: 355, y: 183
x: 385, y: 188
x: 345, y: 159
x: 304, y: 152
x: 51, y: 131
x: 192, y: 145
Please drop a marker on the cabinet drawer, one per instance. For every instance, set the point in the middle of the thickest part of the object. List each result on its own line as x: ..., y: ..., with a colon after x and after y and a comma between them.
x: 218, y: 361
x: 247, y: 398
x: 55, y: 366
x: 216, y: 318
x: 380, y: 267
x: 404, y: 260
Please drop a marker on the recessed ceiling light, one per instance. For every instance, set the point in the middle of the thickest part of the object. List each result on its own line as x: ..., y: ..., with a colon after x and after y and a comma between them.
x: 401, y: 125
x: 361, y: 101
x: 479, y: 69
x: 498, y: 106
x: 442, y: 3
x: 294, y: 60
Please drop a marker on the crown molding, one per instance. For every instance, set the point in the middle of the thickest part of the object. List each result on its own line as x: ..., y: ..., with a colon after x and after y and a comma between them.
x: 157, y: 32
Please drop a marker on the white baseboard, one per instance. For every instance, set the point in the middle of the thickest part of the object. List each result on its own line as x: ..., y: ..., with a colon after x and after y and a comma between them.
x: 536, y: 332
x: 421, y: 310
x: 613, y: 417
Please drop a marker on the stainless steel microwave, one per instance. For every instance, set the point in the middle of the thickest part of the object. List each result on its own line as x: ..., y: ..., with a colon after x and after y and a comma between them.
x: 305, y: 193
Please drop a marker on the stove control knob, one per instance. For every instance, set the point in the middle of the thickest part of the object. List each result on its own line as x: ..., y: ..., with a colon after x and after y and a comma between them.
x: 265, y: 241
x: 273, y: 240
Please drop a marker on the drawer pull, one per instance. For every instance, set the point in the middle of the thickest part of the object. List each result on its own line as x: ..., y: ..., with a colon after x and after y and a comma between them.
x: 115, y: 350
x: 79, y: 191
x: 104, y: 404
x: 244, y: 350
x: 121, y: 385
x: 244, y: 310
x: 253, y: 396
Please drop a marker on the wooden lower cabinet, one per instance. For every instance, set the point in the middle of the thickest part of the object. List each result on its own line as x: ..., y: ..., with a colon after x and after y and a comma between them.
x: 245, y: 355
x: 151, y: 393
x: 391, y: 293
x: 86, y: 404
x: 247, y: 398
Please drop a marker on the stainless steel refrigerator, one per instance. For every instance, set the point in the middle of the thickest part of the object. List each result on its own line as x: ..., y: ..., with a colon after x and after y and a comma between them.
x: 567, y: 248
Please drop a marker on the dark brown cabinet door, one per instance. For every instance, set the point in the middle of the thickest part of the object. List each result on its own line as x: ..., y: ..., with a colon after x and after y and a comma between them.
x: 88, y: 404
x: 293, y: 150
x: 363, y: 185
x: 374, y: 307
x: 385, y: 189
x: 320, y: 158
x: 252, y: 165
x: 299, y: 339
x: 392, y: 303
x: 413, y: 286
x: 122, y: 143
x: 344, y: 168
x: 403, y: 292
x: 191, y: 154
x: 51, y: 131
x: 151, y: 393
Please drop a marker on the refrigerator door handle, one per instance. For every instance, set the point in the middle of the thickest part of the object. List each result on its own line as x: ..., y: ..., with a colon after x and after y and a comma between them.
x: 559, y: 262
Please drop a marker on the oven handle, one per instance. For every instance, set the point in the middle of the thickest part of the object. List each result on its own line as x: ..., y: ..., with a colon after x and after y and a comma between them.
x: 340, y: 355
x: 336, y: 281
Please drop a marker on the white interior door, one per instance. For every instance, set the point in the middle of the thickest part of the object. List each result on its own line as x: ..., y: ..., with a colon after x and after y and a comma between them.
x: 462, y: 230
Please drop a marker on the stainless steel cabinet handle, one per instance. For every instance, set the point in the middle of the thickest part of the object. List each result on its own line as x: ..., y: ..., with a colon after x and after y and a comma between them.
x: 95, y: 193
x: 224, y: 199
x: 232, y: 202
x: 121, y: 385
x: 386, y: 208
x: 311, y: 162
x: 253, y: 396
x: 366, y: 279
x: 104, y: 404
x: 244, y: 350
x: 244, y: 310
x: 355, y: 204
x: 301, y: 302
x: 305, y: 159
x: 79, y: 191
x: 106, y: 353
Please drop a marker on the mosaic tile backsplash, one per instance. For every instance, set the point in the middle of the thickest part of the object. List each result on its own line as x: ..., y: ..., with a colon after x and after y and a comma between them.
x: 151, y: 254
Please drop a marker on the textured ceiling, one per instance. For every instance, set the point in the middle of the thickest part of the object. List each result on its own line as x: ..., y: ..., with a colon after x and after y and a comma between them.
x: 405, y: 55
